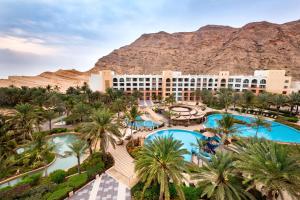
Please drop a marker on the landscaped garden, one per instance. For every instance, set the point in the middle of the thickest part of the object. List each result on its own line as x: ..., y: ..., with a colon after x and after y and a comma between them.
x: 228, y: 168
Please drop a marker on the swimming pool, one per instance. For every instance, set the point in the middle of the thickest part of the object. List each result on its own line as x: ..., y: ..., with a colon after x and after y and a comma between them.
x: 278, y: 132
x: 187, y: 138
x: 139, y: 123
x: 62, y: 161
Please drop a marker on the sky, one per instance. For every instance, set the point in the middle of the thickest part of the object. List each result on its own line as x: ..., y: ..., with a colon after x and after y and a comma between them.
x: 47, y: 35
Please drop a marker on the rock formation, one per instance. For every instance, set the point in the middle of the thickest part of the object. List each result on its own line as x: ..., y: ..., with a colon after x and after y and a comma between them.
x: 258, y: 45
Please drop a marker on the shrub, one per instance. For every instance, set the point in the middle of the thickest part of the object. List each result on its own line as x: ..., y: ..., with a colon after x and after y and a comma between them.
x: 212, y: 112
x: 58, y: 176
x: 77, y: 181
x: 290, y: 119
x: 61, y: 193
x: 192, y: 193
x: 32, y: 180
x: 295, y: 126
x: 94, y: 170
x: 58, y: 130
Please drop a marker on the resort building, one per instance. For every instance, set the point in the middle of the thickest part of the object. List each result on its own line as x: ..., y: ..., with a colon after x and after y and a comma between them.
x: 184, y: 86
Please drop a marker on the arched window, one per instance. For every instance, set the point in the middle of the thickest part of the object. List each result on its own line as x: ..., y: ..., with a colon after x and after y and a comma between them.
x: 115, y: 80
x: 254, y: 81
x: 121, y: 79
x: 246, y: 81
x: 263, y: 81
x: 210, y: 80
x: 223, y: 80
x: 192, y: 80
x: 168, y: 80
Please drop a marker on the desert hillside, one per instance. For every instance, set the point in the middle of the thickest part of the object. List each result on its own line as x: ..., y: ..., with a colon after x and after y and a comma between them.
x: 257, y: 45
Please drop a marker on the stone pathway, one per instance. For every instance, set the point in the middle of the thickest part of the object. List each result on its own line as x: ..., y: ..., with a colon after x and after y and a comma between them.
x: 84, y: 192
x: 103, y: 188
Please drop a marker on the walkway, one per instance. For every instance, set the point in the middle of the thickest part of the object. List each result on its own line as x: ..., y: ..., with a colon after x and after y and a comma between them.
x: 123, y: 169
x: 103, y: 188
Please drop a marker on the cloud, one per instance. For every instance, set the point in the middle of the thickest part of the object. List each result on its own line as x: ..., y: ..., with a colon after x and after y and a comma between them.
x: 27, y: 45
x: 40, y: 35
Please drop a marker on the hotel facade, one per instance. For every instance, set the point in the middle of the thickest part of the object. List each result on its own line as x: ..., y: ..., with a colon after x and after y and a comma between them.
x: 184, y: 86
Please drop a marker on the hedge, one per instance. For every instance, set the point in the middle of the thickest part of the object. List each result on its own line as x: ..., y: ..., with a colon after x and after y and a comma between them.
x: 296, y: 126
x: 61, y: 193
x: 77, y: 181
x: 58, y: 176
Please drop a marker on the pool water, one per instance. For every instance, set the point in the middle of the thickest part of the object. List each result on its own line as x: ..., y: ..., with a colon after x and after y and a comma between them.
x: 64, y: 161
x: 186, y: 137
x: 140, y: 123
x: 277, y: 131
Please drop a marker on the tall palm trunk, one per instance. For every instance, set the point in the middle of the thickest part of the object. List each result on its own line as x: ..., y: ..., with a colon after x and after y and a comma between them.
x: 50, y: 124
x: 89, y: 141
x: 78, y: 164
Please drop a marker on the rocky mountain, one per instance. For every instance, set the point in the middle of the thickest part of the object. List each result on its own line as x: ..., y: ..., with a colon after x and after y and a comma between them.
x: 257, y: 45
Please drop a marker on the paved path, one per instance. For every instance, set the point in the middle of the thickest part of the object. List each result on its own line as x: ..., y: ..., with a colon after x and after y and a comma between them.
x: 103, y: 188
x: 123, y: 169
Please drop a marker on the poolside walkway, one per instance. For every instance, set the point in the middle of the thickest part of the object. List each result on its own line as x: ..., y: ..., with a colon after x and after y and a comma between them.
x: 104, y: 187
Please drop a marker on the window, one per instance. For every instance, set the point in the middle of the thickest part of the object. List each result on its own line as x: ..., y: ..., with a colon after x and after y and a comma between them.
x: 246, y: 81
x: 141, y: 79
x: 238, y: 80
x: 147, y: 79
x: 115, y: 80
x: 237, y: 85
x: 263, y: 81
x: 121, y: 79
x: 186, y: 79
x: 134, y: 79
x: 128, y: 79
x: 174, y: 79
x: 230, y: 80
x: 286, y: 81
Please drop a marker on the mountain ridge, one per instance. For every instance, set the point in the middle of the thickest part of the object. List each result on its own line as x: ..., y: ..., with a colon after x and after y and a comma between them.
x: 211, y: 48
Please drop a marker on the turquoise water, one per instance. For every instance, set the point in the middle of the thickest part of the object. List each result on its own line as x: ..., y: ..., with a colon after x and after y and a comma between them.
x: 144, y: 123
x: 187, y: 138
x: 62, y: 161
x: 277, y: 131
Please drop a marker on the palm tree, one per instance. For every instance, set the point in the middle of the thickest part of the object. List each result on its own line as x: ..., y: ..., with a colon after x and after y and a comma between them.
x: 197, y: 94
x: 258, y: 123
x: 278, y: 101
x: 118, y: 106
x: 225, y: 97
x: 49, y: 115
x: 169, y: 113
x: 160, y: 161
x: 103, y: 128
x: 226, y: 126
x: 294, y: 100
x: 199, y: 146
x: 235, y: 99
x: 81, y: 110
x: 170, y: 100
x: 24, y: 120
x: 247, y: 99
x: 77, y: 149
x: 270, y: 166
x: 132, y: 116
x: 263, y: 100
x: 218, y: 179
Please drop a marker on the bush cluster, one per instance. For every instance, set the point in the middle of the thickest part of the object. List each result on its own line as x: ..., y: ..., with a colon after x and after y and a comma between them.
x: 58, y: 176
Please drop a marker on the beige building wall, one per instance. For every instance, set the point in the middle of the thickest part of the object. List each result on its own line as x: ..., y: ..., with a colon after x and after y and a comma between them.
x: 278, y: 82
x: 223, y: 79
x: 168, y: 74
